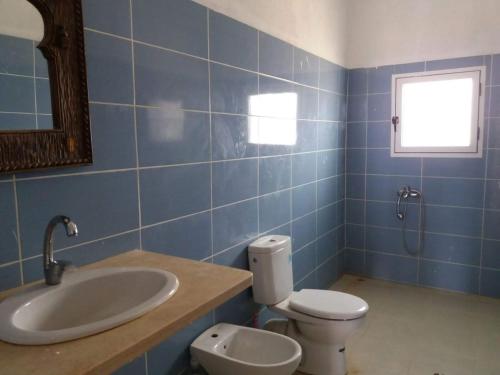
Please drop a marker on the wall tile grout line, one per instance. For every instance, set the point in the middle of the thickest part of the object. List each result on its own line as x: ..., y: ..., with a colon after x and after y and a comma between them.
x: 316, y: 269
x: 427, y: 204
x: 212, y: 313
x: 365, y: 182
x: 134, y: 94
x: 290, y: 198
x: 34, y: 83
x: 210, y: 60
x: 162, y: 222
x: 486, y: 141
x: 18, y: 230
x: 11, y: 263
x: 348, y: 82
x: 418, y: 176
x: 24, y: 113
x: 427, y: 259
x: 112, y: 104
x: 81, y: 244
x: 23, y: 75
x: 191, y: 110
x: 103, y: 171
x: 316, y: 169
x: 258, y: 136
x: 236, y: 203
x: 421, y: 222
x: 136, y: 230
x: 89, y: 173
x: 448, y: 234
x: 271, y: 230
x: 210, y: 136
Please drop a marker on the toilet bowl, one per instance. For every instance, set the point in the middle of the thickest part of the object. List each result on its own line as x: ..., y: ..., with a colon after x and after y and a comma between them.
x: 227, y: 349
x: 319, y: 320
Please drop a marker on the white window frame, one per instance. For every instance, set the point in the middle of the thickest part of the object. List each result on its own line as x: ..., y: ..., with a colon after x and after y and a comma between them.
x: 478, y: 74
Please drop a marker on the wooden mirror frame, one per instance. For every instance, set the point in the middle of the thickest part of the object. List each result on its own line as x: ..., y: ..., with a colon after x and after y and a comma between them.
x: 69, y: 142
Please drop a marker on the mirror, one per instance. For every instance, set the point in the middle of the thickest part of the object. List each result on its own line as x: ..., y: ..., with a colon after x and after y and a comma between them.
x: 25, y: 101
x: 44, y: 119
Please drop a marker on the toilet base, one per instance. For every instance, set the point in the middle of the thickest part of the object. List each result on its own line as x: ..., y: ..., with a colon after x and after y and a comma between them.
x: 318, y: 358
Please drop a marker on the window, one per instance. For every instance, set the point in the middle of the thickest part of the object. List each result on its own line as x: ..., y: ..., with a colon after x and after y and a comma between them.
x: 438, y: 114
x: 273, y: 119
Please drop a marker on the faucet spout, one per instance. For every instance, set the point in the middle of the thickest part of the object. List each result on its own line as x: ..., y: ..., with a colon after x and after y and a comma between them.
x: 53, y: 269
x: 71, y: 228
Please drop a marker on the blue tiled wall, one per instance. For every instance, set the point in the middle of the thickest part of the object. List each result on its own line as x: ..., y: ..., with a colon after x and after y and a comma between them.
x: 462, y: 196
x: 174, y: 171
x: 24, y: 86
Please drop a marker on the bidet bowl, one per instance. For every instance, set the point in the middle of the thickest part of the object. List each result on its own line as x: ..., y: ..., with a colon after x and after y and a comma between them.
x: 86, y: 302
x: 227, y: 349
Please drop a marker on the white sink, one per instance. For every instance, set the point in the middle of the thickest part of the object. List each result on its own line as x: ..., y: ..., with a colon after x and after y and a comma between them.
x: 86, y: 302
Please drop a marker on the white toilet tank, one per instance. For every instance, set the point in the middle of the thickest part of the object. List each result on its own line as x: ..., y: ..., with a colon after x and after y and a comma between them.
x: 270, y: 260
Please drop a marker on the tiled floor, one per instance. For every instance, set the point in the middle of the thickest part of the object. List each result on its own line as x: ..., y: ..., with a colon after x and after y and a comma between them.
x: 417, y: 331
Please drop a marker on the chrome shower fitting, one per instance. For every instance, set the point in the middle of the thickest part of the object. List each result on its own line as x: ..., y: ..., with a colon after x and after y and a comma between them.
x: 405, y: 193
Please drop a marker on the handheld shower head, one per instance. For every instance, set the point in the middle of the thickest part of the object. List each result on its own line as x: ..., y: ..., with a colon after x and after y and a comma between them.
x: 404, y: 194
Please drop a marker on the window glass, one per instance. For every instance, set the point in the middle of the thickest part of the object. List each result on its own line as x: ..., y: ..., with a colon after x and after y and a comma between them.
x: 438, y: 113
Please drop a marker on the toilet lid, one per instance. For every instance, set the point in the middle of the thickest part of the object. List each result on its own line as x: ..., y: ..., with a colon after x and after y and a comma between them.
x: 328, y: 304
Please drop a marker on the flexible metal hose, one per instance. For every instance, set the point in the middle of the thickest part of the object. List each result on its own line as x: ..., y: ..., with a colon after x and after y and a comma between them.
x: 421, y: 229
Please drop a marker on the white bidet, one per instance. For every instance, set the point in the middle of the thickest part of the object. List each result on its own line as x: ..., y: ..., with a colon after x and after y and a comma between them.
x: 227, y: 349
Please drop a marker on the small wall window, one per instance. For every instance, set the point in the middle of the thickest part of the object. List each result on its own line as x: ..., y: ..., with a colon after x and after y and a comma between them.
x: 438, y: 113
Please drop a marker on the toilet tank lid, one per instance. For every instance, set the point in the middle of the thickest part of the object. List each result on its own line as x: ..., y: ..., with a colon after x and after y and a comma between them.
x: 269, y: 244
x: 328, y: 304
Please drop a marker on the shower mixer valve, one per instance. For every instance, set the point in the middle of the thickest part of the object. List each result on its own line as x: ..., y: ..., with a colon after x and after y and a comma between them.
x: 405, y: 193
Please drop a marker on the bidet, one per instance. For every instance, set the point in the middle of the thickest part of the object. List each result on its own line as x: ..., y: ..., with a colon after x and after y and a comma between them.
x: 228, y: 349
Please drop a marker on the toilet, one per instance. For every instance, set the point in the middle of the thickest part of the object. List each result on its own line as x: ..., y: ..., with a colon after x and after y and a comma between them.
x: 312, y: 338
x: 228, y: 349
x: 319, y: 320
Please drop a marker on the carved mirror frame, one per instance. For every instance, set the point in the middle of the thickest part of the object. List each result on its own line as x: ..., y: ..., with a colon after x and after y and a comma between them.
x: 69, y: 142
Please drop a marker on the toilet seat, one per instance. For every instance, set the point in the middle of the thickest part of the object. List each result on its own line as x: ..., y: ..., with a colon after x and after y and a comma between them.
x: 328, y: 304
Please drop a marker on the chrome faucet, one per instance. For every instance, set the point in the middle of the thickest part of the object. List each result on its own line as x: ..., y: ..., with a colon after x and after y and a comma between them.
x: 54, y: 269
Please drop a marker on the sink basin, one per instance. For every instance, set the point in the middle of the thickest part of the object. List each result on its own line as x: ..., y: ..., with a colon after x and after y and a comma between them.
x: 85, y: 303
